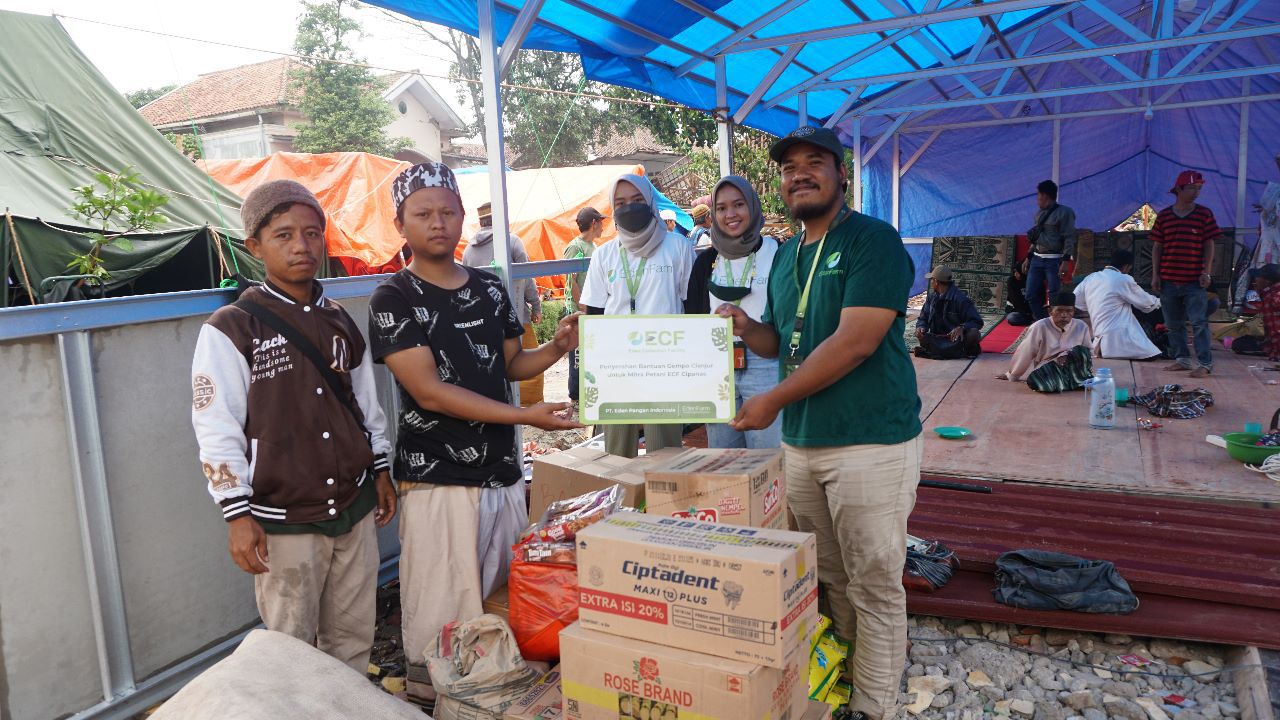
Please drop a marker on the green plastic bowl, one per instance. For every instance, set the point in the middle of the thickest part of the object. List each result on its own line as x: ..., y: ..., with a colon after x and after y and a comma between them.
x: 1240, y: 446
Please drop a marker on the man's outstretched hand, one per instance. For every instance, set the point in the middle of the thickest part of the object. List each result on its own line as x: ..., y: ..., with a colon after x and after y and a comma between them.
x: 551, y: 416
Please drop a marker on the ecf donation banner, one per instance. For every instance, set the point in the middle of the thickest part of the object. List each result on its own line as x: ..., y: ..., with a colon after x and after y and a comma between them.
x: 655, y: 369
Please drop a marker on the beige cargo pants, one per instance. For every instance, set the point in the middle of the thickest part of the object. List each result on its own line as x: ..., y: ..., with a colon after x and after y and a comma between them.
x: 323, y: 590
x: 439, y: 569
x: 856, y: 499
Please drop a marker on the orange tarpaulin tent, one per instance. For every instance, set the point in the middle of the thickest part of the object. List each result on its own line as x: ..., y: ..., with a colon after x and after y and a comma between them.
x: 353, y: 188
x: 543, y: 206
x: 355, y: 191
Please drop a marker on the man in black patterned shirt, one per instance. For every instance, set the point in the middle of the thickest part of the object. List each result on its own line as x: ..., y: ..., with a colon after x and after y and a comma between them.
x: 450, y: 336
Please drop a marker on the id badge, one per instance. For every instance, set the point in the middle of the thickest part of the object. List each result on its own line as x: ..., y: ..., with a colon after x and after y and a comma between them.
x: 739, y: 355
x: 790, y: 364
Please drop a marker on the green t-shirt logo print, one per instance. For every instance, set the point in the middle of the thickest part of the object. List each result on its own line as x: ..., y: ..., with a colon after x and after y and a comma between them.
x: 833, y: 259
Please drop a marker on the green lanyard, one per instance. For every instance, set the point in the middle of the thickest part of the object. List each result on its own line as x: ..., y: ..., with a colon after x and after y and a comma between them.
x: 748, y: 273
x: 798, y: 327
x: 633, y: 283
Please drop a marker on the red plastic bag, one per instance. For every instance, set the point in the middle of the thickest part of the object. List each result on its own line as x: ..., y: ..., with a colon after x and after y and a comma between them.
x: 543, y: 598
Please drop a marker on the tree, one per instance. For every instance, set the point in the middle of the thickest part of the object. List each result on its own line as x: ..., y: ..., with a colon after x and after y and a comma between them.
x: 548, y: 129
x: 138, y: 98
x: 123, y: 202
x: 342, y: 101
x: 681, y: 128
x: 751, y: 161
x: 186, y: 143
x: 541, y: 128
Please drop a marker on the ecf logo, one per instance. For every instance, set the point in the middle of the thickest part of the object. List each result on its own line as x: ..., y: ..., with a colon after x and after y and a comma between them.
x: 651, y: 338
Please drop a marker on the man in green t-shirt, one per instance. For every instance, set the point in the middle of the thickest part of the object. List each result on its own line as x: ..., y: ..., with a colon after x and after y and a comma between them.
x: 850, y: 412
x: 590, y: 227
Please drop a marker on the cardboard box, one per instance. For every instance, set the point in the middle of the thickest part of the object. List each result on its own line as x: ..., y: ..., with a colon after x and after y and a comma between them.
x: 542, y: 702
x: 580, y: 470
x: 740, y: 593
x: 731, y: 486
x: 817, y: 711
x: 610, y: 678
x: 497, y: 604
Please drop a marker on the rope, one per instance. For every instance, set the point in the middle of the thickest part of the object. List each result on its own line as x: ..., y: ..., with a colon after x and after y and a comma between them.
x: 1270, y: 467
x: 546, y: 155
x: 213, y: 191
x: 94, y: 168
x: 223, y: 270
x: 13, y: 232
x: 450, y: 78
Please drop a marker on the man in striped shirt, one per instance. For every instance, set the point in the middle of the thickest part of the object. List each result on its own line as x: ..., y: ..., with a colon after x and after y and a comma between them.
x: 1181, y: 259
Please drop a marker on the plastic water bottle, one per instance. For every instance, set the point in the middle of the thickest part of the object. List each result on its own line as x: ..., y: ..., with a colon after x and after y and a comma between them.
x: 1102, y: 400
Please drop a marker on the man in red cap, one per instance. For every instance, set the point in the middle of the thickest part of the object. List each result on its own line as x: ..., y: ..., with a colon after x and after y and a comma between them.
x: 1181, y: 264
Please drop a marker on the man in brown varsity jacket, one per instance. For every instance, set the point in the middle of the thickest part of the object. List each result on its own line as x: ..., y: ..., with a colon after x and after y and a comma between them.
x: 299, y: 468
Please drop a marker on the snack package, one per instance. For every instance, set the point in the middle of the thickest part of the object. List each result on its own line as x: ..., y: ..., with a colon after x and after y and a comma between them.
x: 820, y: 627
x: 563, y: 553
x: 840, y: 695
x: 826, y: 664
x: 564, y: 518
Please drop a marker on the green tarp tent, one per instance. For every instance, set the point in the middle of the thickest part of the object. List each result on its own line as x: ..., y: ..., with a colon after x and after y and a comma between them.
x: 61, y: 122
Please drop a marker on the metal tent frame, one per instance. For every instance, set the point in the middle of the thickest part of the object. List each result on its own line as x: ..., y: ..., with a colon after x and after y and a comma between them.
x: 917, y: 71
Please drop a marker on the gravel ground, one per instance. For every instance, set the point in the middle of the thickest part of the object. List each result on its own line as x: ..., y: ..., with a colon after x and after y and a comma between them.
x: 959, y: 670
x: 955, y: 674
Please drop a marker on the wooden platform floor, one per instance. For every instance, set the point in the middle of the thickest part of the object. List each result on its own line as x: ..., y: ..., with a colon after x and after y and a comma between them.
x: 1023, y: 436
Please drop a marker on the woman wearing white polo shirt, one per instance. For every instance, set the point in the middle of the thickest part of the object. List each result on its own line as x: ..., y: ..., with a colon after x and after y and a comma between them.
x: 736, y: 270
x: 643, y: 271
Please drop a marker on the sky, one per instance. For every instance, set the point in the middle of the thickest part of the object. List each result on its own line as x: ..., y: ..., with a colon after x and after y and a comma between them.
x: 133, y: 60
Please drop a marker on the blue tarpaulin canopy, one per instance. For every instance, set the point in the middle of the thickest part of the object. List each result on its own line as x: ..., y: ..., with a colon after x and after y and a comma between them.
x: 969, y: 104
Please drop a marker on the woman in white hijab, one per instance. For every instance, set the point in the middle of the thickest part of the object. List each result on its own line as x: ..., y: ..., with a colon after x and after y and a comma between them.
x: 736, y: 270
x: 643, y: 271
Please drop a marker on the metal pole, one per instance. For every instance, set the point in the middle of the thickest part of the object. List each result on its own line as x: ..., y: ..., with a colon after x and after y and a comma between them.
x: 493, y: 141
x: 803, y: 103
x: 1057, y: 152
x: 724, y: 130
x: 93, y: 507
x: 897, y: 177
x: 857, y: 164
x: 1242, y: 163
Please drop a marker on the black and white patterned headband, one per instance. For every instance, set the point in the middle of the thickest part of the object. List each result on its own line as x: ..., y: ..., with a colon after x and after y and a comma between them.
x: 423, y: 175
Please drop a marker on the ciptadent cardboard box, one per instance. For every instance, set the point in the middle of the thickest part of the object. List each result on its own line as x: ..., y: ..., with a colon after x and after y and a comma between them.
x: 733, y: 486
x: 604, y: 677
x: 741, y: 593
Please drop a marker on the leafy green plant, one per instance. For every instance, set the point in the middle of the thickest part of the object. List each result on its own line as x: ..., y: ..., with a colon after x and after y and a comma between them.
x: 552, y: 311
x: 117, y: 205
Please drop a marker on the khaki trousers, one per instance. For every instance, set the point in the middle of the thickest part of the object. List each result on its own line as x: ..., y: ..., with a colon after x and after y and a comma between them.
x: 323, y: 590
x: 856, y: 499
x: 439, y: 569
x: 624, y: 440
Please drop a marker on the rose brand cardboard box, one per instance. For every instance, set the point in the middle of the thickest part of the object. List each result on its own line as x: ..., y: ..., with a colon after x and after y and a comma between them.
x: 542, y: 702
x: 604, y: 677
x: 580, y: 470
x: 740, y: 593
x: 732, y: 486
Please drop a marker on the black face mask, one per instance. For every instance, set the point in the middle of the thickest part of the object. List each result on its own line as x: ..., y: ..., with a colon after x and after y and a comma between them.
x: 728, y: 293
x: 633, y: 217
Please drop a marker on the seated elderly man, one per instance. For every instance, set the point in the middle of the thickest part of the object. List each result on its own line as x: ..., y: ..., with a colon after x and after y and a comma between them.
x: 949, y: 326
x: 1267, y: 282
x: 1110, y: 296
x: 1054, y: 353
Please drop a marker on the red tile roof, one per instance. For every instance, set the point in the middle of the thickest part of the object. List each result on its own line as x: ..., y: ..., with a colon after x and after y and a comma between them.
x: 621, y: 145
x: 248, y: 87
